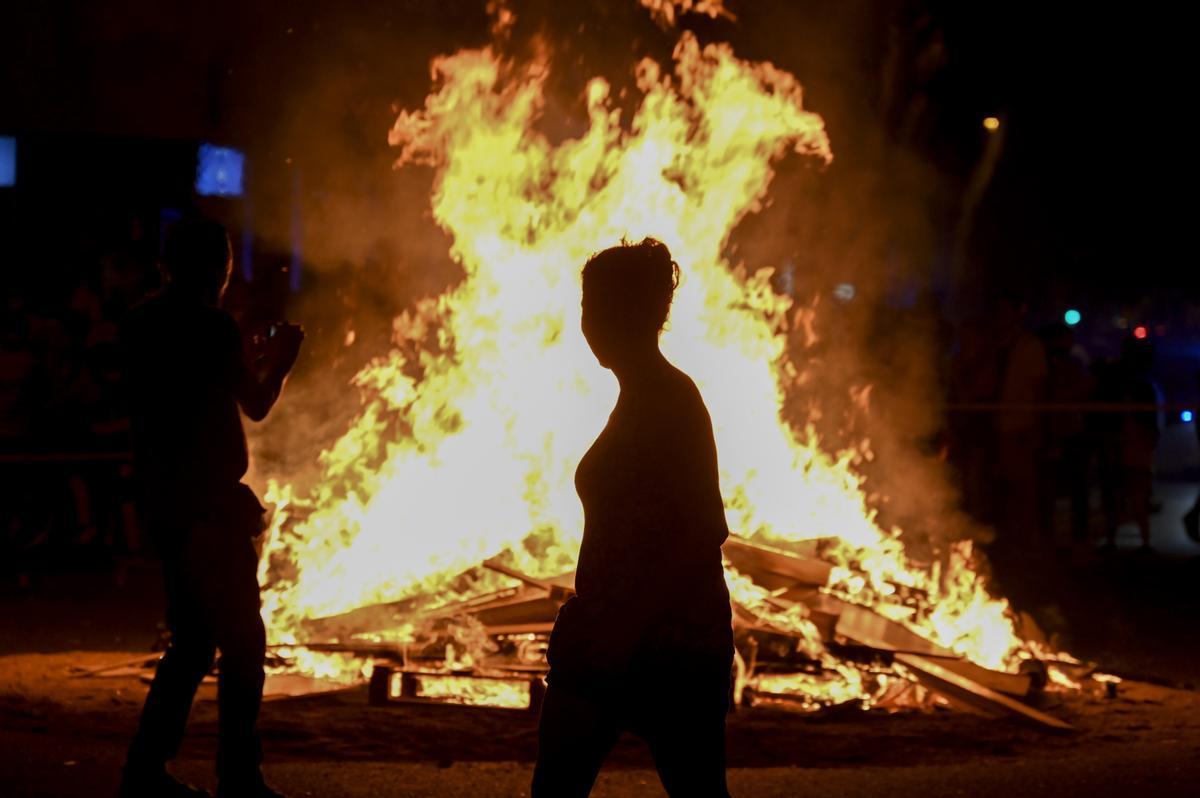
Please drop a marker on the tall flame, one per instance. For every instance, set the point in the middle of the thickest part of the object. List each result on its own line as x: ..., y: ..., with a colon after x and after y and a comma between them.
x: 471, y: 428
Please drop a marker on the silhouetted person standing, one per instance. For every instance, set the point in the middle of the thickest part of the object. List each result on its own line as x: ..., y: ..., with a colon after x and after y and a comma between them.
x: 646, y: 644
x: 1129, y: 440
x: 187, y: 375
x: 1018, y: 426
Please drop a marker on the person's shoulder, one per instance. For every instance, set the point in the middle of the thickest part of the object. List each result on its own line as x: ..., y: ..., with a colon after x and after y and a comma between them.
x: 218, y: 317
x: 680, y: 382
x: 205, y: 320
x: 684, y: 397
x: 163, y: 314
x: 146, y: 307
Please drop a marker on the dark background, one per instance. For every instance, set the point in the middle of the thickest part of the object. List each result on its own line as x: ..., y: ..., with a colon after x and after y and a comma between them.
x: 1085, y: 198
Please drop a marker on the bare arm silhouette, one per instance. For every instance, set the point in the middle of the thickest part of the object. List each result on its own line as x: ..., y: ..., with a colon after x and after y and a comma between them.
x: 259, y: 382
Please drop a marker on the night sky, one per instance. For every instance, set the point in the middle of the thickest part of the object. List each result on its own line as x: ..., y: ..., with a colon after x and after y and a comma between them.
x: 1086, y: 194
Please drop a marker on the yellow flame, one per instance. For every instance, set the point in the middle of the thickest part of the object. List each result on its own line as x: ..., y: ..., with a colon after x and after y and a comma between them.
x: 667, y: 11
x: 471, y: 428
x: 475, y: 691
x: 839, y: 686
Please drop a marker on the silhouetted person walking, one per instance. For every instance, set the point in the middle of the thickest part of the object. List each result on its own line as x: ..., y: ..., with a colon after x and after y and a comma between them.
x: 646, y: 644
x: 187, y: 375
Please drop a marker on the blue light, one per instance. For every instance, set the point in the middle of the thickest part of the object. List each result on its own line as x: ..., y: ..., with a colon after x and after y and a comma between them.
x: 219, y: 171
x: 1186, y: 416
x: 1072, y: 317
x: 8, y: 161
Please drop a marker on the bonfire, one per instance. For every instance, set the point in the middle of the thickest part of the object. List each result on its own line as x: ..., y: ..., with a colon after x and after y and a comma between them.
x: 442, y: 533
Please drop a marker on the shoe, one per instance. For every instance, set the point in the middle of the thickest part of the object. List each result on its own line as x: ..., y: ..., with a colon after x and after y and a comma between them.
x: 254, y: 788
x: 156, y: 783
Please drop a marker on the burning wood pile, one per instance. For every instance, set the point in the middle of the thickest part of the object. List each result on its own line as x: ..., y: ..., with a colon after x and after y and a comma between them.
x: 469, y: 430
x: 776, y: 663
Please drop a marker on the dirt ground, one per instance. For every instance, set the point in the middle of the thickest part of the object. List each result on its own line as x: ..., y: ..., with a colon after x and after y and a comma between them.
x: 64, y: 736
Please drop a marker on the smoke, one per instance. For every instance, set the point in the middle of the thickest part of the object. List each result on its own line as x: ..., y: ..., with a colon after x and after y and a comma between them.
x: 324, y: 187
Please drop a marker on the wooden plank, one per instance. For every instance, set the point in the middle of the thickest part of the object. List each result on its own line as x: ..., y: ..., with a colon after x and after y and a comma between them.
x: 1017, y: 685
x: 869, y: 628
x: 775, y: 568
x: 563, y: 582
x: 390, y: 614
x: 377, y: 617
x: 941, y: 679
x: 528, y: 628
x: 538, y: 610
x: 371, y: 618
x: 128, y: 667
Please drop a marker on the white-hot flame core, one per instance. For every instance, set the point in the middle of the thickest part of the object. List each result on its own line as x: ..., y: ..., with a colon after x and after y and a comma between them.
x: 472, y: 427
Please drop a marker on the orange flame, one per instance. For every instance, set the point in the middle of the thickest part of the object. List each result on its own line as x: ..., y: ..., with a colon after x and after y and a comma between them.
x: 471, y: 428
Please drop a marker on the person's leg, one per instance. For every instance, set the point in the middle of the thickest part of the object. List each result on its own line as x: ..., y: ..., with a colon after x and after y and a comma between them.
x: 1078, y: 474
x: 168, y: 704
x: 1018, y: 483
x: 1141, y: 485
x: 1049, y: 476
x: 233, y: 602
x: 575, y: 735
x: 687, y: 741
x: 1110, y: 492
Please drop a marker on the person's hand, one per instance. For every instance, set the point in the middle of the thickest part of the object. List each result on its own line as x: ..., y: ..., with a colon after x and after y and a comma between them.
x: 283, y: 346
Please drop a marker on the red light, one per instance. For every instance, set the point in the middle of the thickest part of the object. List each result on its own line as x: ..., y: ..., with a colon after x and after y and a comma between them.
x: 1140, y: 332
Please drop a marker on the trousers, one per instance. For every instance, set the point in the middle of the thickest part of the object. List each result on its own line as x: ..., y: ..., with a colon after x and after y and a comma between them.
x: 213, y: 604
x: 685, y: 730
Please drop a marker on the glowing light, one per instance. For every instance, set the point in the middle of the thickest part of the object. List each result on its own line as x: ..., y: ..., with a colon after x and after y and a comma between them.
x: 1186, y: 416
x: 1072, y: 317
x: 844, y: 291
x: 219, y: 171
x: 8, y: 161
x: 1140, y: 332
x: 991, y: 124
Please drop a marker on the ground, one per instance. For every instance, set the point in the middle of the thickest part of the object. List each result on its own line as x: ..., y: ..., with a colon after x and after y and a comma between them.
x: 64, y: 736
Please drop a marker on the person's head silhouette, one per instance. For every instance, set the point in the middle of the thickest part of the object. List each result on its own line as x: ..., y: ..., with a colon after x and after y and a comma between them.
x: 197, y: 259
x: 627, y: 291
